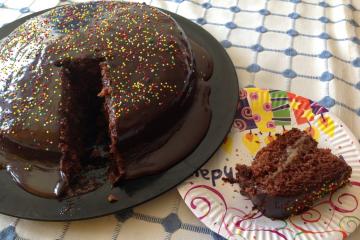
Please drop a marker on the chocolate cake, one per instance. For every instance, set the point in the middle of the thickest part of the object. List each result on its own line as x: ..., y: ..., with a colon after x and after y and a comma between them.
x: 290, y: 173
x: 91, y: 81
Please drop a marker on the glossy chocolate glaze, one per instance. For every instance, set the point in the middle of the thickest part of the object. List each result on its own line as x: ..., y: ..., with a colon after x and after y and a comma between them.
x: 148, y: 58
x: 37, y: 171
x: 184, y: 136
x: 282, y: 207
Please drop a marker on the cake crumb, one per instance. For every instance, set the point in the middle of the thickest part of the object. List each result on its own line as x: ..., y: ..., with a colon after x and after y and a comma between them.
x: 28, y: 167
x: 104, y: 92
x: 112, y: 198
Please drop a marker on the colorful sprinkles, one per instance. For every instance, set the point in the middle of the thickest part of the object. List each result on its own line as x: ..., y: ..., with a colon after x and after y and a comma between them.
x: 148, y: 60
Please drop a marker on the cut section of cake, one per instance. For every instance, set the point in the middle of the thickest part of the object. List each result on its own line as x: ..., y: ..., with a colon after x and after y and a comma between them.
x: 290, y: 174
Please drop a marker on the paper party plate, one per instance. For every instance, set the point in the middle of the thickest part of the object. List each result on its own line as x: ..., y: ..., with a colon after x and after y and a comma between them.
x: 261, y: 114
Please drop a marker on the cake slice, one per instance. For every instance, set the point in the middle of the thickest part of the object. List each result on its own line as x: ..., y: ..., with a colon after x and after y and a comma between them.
x: 290, y: 174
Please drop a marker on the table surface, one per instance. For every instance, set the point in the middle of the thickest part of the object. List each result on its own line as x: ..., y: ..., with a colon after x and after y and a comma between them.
x: 316, y: 45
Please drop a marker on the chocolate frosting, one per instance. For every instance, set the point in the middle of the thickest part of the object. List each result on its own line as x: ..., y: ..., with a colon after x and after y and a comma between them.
x: 154, y: 78
x: 147, y: 54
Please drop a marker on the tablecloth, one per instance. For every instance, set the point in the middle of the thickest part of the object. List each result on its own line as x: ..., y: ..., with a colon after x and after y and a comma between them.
x: 309, y: 47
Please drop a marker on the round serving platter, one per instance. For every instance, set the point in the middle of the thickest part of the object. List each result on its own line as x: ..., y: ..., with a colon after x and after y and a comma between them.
x: 15, y: 201
x: 261, y: 114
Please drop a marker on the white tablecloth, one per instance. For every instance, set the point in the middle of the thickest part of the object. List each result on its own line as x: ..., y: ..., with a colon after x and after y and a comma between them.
x: 308, y: 47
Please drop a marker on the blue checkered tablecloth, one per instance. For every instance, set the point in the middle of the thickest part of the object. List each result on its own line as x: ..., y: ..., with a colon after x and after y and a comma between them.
x: 310, y: 47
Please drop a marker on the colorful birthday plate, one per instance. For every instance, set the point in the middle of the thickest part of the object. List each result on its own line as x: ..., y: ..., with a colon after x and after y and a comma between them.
x: 261, y: 114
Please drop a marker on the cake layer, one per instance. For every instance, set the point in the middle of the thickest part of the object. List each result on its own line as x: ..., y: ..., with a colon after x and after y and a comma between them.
x: 290, y: 173
x: 83, y: 124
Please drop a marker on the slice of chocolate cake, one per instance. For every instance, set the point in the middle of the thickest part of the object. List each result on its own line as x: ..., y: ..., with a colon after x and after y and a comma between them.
x: 290, y: 174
